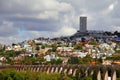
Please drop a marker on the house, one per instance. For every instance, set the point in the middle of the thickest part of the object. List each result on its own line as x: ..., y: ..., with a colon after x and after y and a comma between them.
x: 117, y: 39
x: 64, y: 60
x: 47, y: 58
x: 61, y: 49
x: 21, y: 56
x: 81, y: 54
x: 28, y: 48
x: 107, y: 62
x: 8, y: 48
x: 2, y: 59
x: 17, y: 48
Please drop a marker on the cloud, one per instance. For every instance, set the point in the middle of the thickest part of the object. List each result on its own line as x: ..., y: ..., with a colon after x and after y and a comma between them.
x: 39, y: 15
x: 26, y: 19
x: 7, y: 29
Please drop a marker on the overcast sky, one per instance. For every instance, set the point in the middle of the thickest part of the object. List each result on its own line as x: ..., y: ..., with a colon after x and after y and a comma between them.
x: 28, y: 19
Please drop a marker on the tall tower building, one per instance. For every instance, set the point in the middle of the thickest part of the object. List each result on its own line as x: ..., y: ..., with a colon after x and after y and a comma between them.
x: 83, y: 24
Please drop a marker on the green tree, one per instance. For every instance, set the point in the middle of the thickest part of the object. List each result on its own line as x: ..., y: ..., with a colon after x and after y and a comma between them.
x: 54, y: 47
x: 93, y: 43
x: 9, y: 53
x: 41, y: 60
x: 37, y: 48
x: 49, y: 51
x: 78, y: 47
x: 58, y: 61
x: 42, y: 47
x: 18, y: 76
x: 12, y: 74
x: 9, y: 78
x: 73, y: 60
x: 87, y: 59
x: 29, y: 61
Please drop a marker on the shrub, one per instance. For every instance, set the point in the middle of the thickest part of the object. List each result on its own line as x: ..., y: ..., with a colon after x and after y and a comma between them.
x: 52, y: 76
x: 89, y: 77
x: 18, y: 76
x: 11, y: 74
x: 7, y: 74
x: 118, y: 78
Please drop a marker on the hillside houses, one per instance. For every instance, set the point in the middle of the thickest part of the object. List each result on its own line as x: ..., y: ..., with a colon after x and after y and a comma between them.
x: 59, y: 49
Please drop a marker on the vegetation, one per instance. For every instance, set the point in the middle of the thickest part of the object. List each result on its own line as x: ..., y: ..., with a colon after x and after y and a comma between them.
x: 11, y: 74
x: 113, y: 58
x: 85, y: 60
x: 30, y: 60
x: 117, y: 51
x: 54, y: 47
x: 56, y: 62
x: 43, y: 47
x: 74, y: 60
x: 77, y: 47
x: 92, y: 43
x: 37, y: 48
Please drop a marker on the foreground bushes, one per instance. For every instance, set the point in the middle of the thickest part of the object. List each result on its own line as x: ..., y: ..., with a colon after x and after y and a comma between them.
x: 11, y: 74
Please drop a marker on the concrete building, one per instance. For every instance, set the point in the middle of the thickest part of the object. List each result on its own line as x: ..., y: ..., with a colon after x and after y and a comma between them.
x: 83, y: 33
x: 83, y: 24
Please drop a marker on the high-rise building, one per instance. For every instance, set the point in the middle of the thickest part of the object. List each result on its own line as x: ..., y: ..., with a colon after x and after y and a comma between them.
x: 83, y: 24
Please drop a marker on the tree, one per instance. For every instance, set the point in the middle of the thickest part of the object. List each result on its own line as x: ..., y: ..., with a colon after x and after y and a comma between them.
x: 53, y: 61
x: 54, y: 47
x: 74, y: 60
x: 41, y: 60
x: 92, y: 43
x: 78, y: 47
x: 37, y: 48
x: 18, y: 76
x: 1, y: 47
x: 29, y: 61
x: 43, y: 47
x: 116, y: 32
x: 88, y: 59
x: 31, y: 42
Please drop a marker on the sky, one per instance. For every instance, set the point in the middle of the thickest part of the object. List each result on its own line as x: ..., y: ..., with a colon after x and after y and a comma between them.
x: 28, y: 19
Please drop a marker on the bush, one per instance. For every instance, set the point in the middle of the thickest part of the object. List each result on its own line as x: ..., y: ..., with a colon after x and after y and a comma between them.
x: 118, y: 78
x: 118, y: 73
x: 52, y: 76
x: 89, y: 77
x: 7, y: 74
x: 18, y: 76
x: 12, y: 74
